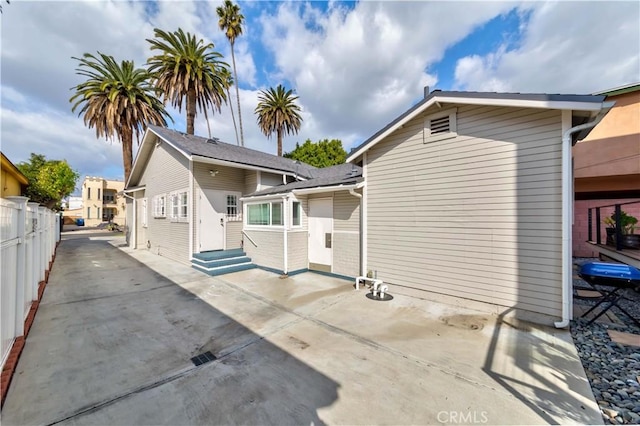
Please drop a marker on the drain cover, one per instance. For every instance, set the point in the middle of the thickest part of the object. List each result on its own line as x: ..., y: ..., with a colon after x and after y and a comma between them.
x: 386, y: 297
x: 203, y: 358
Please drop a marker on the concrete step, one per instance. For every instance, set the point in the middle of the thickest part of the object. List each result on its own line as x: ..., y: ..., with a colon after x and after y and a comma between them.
x: 218, y: 254
x: 214, y: 263
x: 221, y: 270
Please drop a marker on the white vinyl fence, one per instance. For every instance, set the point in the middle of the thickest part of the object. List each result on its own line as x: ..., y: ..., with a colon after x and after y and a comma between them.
x: 29, y: 236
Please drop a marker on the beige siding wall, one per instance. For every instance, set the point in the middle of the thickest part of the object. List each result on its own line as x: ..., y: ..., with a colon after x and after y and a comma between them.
x: 346, y: 232
x: 297, y: 247
x: 269, y: 180
x: 475, y: 217
x: 166, y: 171
x: 269, y: 250
x: 346, y: 253
x: 141, y: 234
x: 227, y: 179
x: 234, y: 234
x: 250, y: 182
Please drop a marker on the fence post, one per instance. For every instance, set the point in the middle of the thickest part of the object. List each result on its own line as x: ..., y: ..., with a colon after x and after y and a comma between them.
x: 590, y: 222
x: 598, y: 231
x: 58, y: 226
x: 42, y: 257
x: 618, y: 227
x: 34, y: 248
x: 21, y: 265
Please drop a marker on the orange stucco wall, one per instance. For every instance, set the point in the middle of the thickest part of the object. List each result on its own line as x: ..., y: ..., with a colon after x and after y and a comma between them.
x: 613, y: 146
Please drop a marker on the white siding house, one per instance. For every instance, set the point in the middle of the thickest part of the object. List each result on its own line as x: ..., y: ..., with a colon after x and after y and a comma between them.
x: 464, y: 200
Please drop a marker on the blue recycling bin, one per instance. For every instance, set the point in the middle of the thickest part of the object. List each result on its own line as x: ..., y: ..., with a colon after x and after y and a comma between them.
x: 80, y: 222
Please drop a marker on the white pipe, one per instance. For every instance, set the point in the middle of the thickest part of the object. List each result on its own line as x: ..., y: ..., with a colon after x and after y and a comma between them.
x: 285, y: 243
x: 132, y: 243
x: 567, y: 206
x: 355, y: 194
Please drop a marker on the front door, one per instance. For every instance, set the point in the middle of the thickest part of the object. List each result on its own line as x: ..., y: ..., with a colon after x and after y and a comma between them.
x: 211, y: 215
x: 320, y: 234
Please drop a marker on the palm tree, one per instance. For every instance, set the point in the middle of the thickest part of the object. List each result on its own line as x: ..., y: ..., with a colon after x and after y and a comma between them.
x: 230, y: 22
x: 117, y: 100
x: 186, y: 67
x: 228, y: 79
x: 277, y: 112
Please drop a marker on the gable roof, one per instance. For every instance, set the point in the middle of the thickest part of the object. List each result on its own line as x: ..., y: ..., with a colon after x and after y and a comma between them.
x: 627, y: 88
x: 524, y: 100
x: 197, y: 148
x: 340, y: 175
x: 13, y: 170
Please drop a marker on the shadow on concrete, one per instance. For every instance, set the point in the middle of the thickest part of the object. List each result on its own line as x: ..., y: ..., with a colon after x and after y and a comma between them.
x: 112, y: 344
x: 531, y: 354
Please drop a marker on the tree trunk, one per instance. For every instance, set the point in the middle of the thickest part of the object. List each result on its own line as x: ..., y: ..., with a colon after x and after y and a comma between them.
x: 191, y: 110
x: 233, y: 117
x: 279, y: 142
x: 235, y: 76
x: 127, y: 152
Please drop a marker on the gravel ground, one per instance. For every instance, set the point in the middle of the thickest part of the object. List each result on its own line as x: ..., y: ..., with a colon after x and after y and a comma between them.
x: 613, y: 369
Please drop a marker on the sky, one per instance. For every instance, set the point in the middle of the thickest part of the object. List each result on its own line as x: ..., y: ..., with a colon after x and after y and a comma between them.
x: 354, y: 65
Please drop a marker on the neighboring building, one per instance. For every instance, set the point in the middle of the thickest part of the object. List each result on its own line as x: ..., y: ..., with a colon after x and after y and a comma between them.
x: 467, y: 199
x: 194, y: 196
x: 72, y: 203
x: 101, y: 202
x: 12, y: 181
x: 607, y: 166
x: 464, y: 198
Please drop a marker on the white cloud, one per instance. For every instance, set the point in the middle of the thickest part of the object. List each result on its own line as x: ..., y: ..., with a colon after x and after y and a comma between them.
x: 569, y: 47
x: 58, y: 136
x: 355, y: 70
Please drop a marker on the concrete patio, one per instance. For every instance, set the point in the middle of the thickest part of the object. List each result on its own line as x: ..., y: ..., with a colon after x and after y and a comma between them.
x: 116, y: 330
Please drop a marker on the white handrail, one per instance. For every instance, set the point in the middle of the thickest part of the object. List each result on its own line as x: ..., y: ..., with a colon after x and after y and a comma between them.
x: 250, y: 239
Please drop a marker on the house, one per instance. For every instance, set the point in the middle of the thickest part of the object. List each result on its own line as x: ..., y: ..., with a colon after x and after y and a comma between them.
x: 607, y: 167
x: 467, y: 199
x: 12, y: 181
x: 101, y: 202
x: 223, y: 208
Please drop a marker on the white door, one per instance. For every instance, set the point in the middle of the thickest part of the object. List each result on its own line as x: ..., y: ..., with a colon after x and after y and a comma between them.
x: 211, y: 216
x: 320, y: 233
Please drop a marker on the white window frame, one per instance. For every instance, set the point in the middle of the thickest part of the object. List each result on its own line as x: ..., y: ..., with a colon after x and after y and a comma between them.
x: 293, y: 203
x: 270, y: 225
x: 453, y: 125
x: 230, y: 217
x: 179, y: 206
x: 160, y: 206
x: 145, y: 213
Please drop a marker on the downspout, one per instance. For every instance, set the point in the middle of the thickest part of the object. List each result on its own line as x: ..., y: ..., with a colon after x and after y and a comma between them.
x: 567, y: 213
x: 134, y: 217
x: 353, y: 192
x: 285, y: 242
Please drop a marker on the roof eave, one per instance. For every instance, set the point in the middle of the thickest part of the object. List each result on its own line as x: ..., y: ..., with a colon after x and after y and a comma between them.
x: 435, y: 98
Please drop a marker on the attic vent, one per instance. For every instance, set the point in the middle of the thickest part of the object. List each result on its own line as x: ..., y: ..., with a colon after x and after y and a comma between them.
x: 440, y: 125
x: 213, y: 140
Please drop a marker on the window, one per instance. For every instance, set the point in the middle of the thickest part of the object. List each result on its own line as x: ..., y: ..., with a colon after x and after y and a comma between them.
x: 88, y: 196
x: 440, y: 126
x: 88, y: 212
x: 232, y: 208
x: 276, y: 214
x: 144, y: 212
x: 98, y: 193
x: 98, y: 215
x: 265, y: 214
x: 179, y: 206
x: 159, y: 206
x: 295, y: 213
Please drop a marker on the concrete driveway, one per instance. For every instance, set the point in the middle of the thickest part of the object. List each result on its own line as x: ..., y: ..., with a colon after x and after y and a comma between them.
x: 115, y: 333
